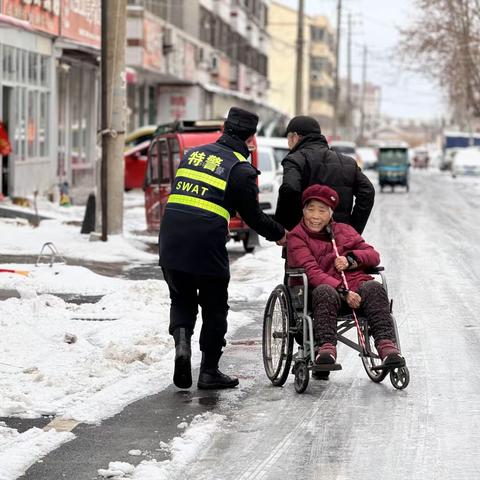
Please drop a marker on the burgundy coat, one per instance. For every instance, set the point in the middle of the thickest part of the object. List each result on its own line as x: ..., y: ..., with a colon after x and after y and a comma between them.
x: 314, y: 252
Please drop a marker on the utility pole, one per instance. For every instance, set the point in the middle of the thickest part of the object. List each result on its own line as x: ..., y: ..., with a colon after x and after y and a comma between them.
x: 114, y: 13
x: 299, y: 73
x: 364, y: 93
x: 349, y: 77
x: 337, y: 70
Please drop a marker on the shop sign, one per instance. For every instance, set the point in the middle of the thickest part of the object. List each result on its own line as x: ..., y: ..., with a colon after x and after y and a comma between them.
x: 81, y: 21
x: 42, y: 15
x: 224, y: 72
x: 152, y: 43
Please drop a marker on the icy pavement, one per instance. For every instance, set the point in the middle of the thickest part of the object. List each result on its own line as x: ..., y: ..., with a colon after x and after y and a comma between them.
x: 349, y: 427
x: 346, y: 428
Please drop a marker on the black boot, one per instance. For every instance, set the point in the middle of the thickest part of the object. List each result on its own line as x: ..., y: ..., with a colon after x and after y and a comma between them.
x: 182, y: 375
x: 210, y: 376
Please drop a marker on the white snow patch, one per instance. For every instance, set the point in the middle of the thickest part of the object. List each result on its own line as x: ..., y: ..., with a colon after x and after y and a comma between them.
x: 116, y: 470
x: 184, y: 449
x: 18, y: 451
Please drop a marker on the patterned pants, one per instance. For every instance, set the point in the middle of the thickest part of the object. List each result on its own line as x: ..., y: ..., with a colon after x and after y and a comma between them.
x: 327, y: 303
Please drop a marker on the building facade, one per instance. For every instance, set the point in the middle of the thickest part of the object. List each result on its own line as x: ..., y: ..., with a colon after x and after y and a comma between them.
x: 49, y: 52
x: 318, y: 63
x: 207, y: 56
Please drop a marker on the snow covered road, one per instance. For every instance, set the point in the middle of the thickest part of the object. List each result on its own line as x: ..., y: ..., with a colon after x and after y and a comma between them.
x: 346, y: 428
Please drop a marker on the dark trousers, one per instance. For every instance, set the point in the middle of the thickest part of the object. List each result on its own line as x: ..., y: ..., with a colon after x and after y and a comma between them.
x: 327, y: 304
x: 187, y: 292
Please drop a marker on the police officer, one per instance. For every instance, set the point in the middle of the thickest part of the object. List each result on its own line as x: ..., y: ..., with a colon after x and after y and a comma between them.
x: 212, y: 183
x: 311, y: 161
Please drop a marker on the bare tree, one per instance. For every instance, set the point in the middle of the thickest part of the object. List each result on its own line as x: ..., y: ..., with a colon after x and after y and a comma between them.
x: 444, y: 42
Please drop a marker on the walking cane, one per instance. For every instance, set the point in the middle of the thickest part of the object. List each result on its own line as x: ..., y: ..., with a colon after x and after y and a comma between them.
x: 329, y: 230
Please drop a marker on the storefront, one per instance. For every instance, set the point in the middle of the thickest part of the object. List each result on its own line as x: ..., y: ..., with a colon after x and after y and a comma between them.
x: 26, y: 103
x: 78, y: 81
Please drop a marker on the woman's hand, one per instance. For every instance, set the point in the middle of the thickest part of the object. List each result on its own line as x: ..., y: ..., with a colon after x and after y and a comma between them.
x: 341, y: 264
x: 353, y: 299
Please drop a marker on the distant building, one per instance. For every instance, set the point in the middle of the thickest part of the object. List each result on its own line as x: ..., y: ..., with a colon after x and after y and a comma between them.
x: 318, y: 63
x: 351, y: 125
x: 196, y: 58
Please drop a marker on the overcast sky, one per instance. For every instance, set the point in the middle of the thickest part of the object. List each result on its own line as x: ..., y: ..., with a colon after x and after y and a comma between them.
x: 376, y: 24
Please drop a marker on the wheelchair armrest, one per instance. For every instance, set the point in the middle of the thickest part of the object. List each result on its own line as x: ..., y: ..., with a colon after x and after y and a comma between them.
x: 374, y: 270
x: 295, y: 271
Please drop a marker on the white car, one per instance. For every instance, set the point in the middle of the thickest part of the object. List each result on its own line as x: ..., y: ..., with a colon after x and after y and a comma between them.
x: 368, y: 156
x: 271, y: 152
x: 466, y: 162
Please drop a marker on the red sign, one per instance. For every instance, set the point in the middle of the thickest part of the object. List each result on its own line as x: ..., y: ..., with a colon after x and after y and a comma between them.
x: 81, y: 21
x: 41, y: 14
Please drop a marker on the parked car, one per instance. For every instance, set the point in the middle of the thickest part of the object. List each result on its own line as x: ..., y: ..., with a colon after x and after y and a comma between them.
x: 135, y: 155
x: 346, y: 148
x: 271, y: 152
x: 466, y: 162
x: 166, y: 149
x: 421, y: 158
x: 368, y: 157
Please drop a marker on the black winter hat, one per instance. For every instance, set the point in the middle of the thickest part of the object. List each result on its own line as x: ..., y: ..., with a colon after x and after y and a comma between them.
x: 241, y: 123
x: 303, y: 125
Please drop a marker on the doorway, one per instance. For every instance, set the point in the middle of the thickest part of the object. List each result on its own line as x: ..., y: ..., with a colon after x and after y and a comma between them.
x: 5, y: 118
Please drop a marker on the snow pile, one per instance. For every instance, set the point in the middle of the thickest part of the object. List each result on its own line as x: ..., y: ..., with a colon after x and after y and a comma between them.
x: 116, y: 470
x: 27, y: 240
x: 86, y: 362
x: 183, y: 449
x: 18, y: 451
x: 57, y: 279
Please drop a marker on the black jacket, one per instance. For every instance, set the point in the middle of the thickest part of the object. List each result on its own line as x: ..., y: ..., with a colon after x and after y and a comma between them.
x: 195, y: 241
x: 311, y: 161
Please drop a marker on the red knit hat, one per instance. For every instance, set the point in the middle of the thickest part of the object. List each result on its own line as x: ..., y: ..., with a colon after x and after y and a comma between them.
x: 324, y: 194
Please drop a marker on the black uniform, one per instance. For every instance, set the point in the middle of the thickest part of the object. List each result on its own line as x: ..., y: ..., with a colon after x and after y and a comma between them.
x: 212, y: 183
x: 311, y: 161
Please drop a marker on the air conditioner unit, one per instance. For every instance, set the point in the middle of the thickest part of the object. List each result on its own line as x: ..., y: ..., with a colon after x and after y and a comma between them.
x: 168, y: 41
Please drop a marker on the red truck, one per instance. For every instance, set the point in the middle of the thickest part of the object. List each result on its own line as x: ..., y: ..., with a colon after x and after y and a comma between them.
x: 167, y: 148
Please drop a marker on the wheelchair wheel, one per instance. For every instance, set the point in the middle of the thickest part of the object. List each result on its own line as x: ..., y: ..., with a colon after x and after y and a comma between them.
x: 277, y: 345
x: 373, y: 360
x: 302, y: 376
x: 400, y: 377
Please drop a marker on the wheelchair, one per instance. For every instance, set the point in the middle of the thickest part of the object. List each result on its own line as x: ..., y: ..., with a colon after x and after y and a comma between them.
x: 287, y: 319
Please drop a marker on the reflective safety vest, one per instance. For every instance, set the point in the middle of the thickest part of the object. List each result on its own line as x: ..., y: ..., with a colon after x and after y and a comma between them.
x: 202, y: 178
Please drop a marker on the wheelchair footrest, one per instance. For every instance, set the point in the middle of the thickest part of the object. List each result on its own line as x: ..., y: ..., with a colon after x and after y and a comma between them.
x: 388, y: 366
x: 326, y: 367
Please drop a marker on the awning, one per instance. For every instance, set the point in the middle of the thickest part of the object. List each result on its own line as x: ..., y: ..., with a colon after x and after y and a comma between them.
x: 131, y: 75
x: 5, y: 20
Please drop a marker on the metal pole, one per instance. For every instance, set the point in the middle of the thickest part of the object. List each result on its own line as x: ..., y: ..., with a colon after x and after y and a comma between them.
x: 337, y: 70
x: 364, y: 94
x: 299, y: 73
x: 114, y: 13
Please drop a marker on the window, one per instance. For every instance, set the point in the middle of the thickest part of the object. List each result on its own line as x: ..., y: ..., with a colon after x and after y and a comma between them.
x: 32, y: 68
x: 175, y: 151
x: 32, y: 123
x: 317, y: 34
x: 164, y: 162
x: 43, y: 125
x: 8, y: 63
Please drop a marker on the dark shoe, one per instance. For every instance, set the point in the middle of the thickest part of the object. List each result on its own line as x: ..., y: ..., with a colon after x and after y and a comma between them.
x: 320, y: 375
x: 389, y: 354
x: 326, y: 354
x: 210, y: 376
x: 214, y: 378
x: 182, y: 375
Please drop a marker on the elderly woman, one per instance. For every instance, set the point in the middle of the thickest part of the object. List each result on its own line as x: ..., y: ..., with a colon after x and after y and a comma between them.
x: 310, y: 247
